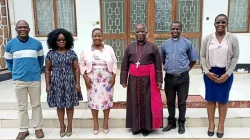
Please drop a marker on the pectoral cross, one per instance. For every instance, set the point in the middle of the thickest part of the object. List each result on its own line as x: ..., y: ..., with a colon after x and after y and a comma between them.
x: 137, y: 64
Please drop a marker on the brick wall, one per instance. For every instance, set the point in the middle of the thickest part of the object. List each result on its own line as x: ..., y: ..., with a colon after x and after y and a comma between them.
x: 4, y: 31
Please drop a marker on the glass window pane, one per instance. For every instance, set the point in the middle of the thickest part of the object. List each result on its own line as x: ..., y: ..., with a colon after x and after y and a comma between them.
x: 189, y: 14
x: 138, y: 13
x: 66, y: 15
x: 238, y: 19
x: 160, y: 41
x: 113, y: 16
x: 119, y: 46
x: 196, y: 44
x: 163, y: 15
x: 44, y: 17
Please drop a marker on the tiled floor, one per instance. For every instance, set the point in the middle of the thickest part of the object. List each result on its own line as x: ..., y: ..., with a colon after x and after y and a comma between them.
x: 240, y: 89
x: 196, y: 117
x: 191, y: 132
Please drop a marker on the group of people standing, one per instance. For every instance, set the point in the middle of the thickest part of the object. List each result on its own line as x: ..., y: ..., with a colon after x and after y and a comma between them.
x: 141, y: 74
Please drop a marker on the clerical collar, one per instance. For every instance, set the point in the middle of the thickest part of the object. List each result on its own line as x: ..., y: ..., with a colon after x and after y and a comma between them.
x: 176, y: 39
x: 139, y: 43
x: 23, y: 41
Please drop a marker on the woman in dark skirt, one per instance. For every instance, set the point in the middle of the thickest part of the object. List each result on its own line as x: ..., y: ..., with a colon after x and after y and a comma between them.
x: 62, y: 77
x: 219, y: 56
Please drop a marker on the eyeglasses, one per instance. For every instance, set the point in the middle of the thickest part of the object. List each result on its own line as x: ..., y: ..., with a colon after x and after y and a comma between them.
x: 221, y: 22
x: 59, y: 40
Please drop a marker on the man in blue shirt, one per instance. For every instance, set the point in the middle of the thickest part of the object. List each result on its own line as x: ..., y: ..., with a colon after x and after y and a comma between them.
x: 178, y: 57
x: 24, y: 58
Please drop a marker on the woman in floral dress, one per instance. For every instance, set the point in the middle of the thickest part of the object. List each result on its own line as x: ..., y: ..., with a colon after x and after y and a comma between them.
x: 62, y: 77
x: 98, y: 67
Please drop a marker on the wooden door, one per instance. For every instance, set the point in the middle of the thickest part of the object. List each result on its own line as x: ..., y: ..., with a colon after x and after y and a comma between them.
x: 119, y: 18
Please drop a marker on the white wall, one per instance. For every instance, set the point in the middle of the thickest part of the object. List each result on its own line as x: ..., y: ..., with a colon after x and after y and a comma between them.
x: 88, y: 13
x: 211, y: 9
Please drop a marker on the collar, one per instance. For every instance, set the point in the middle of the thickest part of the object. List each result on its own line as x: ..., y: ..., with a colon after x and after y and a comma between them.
x: 143, y: 43
x: 22, y: 40
x: 214, y: 35
x: 176, y: 39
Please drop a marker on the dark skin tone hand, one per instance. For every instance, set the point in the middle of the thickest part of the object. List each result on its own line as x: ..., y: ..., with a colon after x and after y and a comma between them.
x: 97, y: 37
x: 48, y: 64
x: 220, y: 26
x: 112, y: 81
x: 88, y: 81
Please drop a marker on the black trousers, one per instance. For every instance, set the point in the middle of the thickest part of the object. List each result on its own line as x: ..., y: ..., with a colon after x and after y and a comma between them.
x: 180, y: 85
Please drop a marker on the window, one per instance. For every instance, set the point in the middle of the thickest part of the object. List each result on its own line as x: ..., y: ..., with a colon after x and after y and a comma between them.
x: 52, y: 14
x: 239, y: 12
x: 119, y: 17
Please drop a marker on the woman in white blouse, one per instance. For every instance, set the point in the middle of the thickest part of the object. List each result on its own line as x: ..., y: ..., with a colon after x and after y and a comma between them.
x: 219, y: 56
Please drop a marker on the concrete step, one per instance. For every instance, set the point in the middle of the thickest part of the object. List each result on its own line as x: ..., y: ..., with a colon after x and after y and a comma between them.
x: 194, y: 101
x: 196, y: 117
x: 192, y: 133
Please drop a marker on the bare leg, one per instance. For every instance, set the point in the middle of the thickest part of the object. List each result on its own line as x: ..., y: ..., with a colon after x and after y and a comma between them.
x: 211, y: 106
x: 95, y: 118
x: 60, y: 114
x: 70, y: 114
x: 106, y: 117
x: 222, y: 117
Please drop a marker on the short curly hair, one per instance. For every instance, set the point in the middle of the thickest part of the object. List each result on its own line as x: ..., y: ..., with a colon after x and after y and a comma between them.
x: 52, y: 38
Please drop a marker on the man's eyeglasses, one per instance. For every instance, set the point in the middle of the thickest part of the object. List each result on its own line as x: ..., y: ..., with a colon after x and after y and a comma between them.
x: 221, y: 22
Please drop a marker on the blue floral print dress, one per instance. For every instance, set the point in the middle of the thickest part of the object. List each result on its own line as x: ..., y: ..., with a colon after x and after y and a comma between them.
x: 100, y: 96
x: 63, y: 84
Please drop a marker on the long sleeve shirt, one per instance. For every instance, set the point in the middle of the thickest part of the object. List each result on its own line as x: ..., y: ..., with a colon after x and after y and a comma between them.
x: 24, y: 59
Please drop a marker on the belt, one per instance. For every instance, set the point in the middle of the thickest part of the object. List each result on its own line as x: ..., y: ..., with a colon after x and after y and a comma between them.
x: 177, y: 75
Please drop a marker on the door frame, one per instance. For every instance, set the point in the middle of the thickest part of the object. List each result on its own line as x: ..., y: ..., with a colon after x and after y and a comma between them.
x: 127, y: 36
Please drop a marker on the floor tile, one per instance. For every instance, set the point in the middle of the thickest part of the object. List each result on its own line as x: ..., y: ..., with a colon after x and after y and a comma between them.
x: 236, y: 132
x: 88, y: 115
x: 12, y: 115
x: 117, y: 113
x: 121, y: 133
x: 247, y: 129
x: 56, y: 134
x: 46, y: 131
x: 5, y: 113
x: 88, y: 133
x: 199, y: 132
x: 174, y: 134
x: 230, y: 132
x: 8, y: 133
x: 49, y: 114
x: 242, y: 112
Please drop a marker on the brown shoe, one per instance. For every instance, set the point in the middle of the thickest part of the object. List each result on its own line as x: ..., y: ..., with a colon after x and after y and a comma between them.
x: 22, y: 135
x: 39, y: 133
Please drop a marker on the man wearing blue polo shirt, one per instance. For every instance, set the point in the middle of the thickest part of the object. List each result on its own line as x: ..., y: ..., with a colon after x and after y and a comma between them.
x: 178, y: 57
x: 24, y: 57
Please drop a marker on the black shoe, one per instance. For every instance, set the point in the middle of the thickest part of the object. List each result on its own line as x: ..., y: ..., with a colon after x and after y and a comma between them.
x: 169, y: 127
x: 22, y: 135
x: 219, y: 135
x: 135, y: 133
x: 145, y: 133
x: 210, y: 134
x: 181, y: 129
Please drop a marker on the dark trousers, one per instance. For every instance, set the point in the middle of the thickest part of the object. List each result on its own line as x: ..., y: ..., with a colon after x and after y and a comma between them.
x: 180, y: 85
